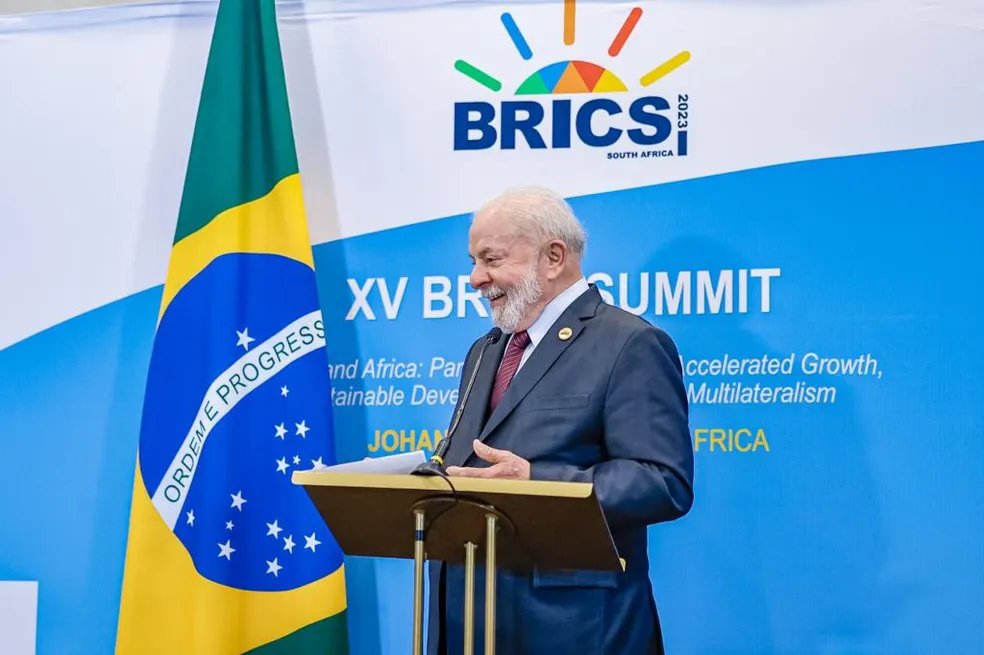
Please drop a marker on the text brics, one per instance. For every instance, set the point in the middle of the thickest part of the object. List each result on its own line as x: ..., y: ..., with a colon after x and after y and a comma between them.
x: 557, y: 124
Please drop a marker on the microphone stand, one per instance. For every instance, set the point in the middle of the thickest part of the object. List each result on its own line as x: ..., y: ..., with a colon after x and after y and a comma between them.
x: 435, y: 466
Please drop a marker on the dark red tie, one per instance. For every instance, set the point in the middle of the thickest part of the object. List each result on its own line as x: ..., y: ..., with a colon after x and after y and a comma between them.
x: 510, y: 362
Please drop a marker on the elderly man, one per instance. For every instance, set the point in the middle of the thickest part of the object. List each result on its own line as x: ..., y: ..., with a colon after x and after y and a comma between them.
x: 575, y: 390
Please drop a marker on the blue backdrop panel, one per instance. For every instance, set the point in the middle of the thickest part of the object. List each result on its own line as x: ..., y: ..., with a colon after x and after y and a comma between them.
x: 855, y: 529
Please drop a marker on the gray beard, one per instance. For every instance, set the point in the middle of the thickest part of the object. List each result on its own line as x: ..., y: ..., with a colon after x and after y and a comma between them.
x: 519, y: 299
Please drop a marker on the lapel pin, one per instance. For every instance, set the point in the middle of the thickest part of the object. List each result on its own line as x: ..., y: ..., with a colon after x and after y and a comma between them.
x: 565, y: 333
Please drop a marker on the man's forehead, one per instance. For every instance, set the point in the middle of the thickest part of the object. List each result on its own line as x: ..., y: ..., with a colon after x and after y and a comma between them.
x: 486, y: 226
x: 482, y: 245
x: 493, y: 230
x: 484, y: 242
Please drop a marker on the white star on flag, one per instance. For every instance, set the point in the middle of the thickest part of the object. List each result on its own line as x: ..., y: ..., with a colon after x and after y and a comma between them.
x: 311, y: 542
x: 289, y: 544
x: 297, y: 460
x: 273, y: 567
x: 274, y: 529
x: 282, y: 465
x: 228, y: 525
x: 318, y: 464
x: 302, y: 429
x: 284, y: 391
x: 191, y: 517
x: 226, y: 550
x: 244, y: 339
x: 281, y: 431
x: 237, y: 500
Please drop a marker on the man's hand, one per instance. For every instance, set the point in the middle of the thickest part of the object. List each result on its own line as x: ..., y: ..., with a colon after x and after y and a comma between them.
x: 504, y: 464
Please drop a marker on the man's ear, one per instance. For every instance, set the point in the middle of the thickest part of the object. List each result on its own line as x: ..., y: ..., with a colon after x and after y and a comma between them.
x: 556, y: 252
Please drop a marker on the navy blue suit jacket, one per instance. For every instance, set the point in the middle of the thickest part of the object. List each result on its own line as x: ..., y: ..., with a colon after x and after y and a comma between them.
x: 605, y: 406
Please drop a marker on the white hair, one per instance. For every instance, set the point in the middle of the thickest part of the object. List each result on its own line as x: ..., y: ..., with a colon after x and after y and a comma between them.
x: 541, y: 215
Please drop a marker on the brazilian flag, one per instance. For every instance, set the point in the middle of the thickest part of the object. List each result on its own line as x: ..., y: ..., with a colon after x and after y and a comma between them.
x: 225, y: 554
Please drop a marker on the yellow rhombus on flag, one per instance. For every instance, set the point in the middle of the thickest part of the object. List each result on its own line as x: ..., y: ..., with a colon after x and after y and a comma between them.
x: 225, y: 554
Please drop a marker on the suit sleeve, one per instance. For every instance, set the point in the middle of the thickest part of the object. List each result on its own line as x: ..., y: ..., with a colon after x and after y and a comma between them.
x: 648, y: 477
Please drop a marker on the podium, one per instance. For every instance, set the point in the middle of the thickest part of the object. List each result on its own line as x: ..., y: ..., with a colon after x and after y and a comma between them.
x: 516, y: 525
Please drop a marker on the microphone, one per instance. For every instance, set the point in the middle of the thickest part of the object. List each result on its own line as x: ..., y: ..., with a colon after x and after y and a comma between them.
x: 435, y: 465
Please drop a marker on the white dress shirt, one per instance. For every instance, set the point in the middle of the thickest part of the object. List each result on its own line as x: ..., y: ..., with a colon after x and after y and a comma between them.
x: 549, y: 316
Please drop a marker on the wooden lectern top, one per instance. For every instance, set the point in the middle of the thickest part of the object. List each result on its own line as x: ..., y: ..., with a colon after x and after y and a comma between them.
x: 543, y: 524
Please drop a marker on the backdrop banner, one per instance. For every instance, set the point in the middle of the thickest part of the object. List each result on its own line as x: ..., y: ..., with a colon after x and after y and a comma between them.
x: 791, y: 190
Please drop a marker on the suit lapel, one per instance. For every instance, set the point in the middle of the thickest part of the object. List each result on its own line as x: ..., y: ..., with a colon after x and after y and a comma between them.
x: 546, y: 353
x: 473, y: 415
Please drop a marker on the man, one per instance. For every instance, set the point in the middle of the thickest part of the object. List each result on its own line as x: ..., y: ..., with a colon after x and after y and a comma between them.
x: 575, y: 390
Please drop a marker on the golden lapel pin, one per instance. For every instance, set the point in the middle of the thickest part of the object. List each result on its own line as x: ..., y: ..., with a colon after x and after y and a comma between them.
x: 565, y: 333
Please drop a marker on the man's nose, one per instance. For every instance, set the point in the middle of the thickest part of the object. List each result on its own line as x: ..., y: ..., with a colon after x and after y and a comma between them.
x: 479, y: 277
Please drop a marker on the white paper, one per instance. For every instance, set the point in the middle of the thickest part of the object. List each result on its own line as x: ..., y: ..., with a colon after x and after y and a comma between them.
x: 18, y: 617
x: 398, y: 464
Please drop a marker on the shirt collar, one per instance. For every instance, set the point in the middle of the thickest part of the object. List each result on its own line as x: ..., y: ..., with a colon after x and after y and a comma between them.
x: 554, y: 309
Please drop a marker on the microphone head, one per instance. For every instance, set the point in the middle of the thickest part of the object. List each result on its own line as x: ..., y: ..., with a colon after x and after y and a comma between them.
x: 494, y: 335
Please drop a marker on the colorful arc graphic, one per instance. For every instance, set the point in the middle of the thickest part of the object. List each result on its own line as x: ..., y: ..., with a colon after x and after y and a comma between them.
x: 571, y: 76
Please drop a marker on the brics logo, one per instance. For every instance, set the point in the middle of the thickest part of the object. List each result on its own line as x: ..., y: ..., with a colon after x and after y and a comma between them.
x: 600, y: 120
